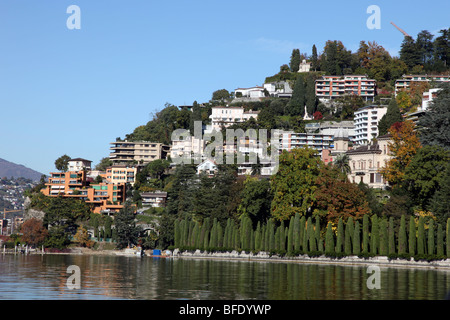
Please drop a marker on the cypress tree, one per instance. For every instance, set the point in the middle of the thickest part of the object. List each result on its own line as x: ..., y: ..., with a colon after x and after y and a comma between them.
x: 440, y: 241
x: 402, y: 245
x: 258, y: 237
x: 329, y: 240
x: 302, y: 232
x: 176, y: 235
x: 356, y: 243
x: 290, y: 244
x: 282, y: 237
x: 297, y: 232
x: 305, y: 238
x: 431, y: 244
x: 340, y: 236
x: 347, y: 240
x: 294, y: 64
x: 374, y: 236
x: 277, y: 238
x: 365, y: 245
x: 383, y: 233
x: 412, y: 236
x: 271, y: 231
x: 318, y: 238
x: 311, y: 236
x: 220, y: 236
x: 421, y: 236
x: 391, y: 236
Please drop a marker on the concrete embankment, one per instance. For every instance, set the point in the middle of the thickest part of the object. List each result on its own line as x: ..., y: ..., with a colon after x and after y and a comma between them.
x: 380, y: 261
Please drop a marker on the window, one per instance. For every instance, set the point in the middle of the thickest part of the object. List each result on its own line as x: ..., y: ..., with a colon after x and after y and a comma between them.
x: 372, y: 177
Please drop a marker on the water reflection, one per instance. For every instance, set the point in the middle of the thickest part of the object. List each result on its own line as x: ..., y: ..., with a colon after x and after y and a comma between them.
x: 115, y: 277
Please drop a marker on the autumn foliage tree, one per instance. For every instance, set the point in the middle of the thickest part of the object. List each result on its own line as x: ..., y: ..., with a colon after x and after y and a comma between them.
x: 33, y: 232
x: 336, y: 197
x: 403, y: 147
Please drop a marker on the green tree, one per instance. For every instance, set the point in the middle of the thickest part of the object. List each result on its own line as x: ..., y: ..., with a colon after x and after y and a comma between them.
x: 375, y: 236
x: 409, y: 53
x: 103, y: 164
x: 440, y: 204
x: 365, y: 230
x: 412, y: 242
x: 255, y: 199
x: 424, y: 172
x: 294, y: 184
x: 391, y: 235
x: 421, y: 244
x: 314, y: 59
x: 127, y: 231
x: 340, y: 236
x: 402, y: 242
x: 392, y: 116
x: 62, y: 163
x: 329, y: 240
x: 356, y: 243
x: 383, y: 234
x: 295, y: 60
x: 434, y: 125
x: 440, y: 241
x: 296, y: 106
x: 221, y: 95
x: 431, y: 235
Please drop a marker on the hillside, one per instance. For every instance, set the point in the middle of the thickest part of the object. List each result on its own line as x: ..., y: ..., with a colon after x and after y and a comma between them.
x: 9, y: 169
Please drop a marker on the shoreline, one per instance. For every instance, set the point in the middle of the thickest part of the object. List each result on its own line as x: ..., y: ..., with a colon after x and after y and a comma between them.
x: 381, y: 261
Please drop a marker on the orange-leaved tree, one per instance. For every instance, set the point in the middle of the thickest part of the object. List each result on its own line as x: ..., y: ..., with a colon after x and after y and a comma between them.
x: 403, y: 146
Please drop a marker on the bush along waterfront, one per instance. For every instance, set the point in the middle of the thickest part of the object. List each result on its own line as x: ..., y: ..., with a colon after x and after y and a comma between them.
x: 417, y: 237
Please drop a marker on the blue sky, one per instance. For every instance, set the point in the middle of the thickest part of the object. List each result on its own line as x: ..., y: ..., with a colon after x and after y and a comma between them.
x: 73, y: 91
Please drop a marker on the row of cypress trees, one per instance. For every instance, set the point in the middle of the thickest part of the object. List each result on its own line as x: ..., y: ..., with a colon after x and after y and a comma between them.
x: 375, y: 236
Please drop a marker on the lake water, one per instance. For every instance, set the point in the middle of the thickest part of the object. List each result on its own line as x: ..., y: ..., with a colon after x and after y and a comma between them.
x: 29, y: 277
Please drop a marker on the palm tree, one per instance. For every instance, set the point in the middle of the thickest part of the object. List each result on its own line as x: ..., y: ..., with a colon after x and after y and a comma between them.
x: 342, y: 163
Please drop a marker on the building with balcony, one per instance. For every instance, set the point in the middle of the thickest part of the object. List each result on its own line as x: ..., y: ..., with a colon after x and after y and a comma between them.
x: 405, y: 82
x: 279, y: 89
x: 226, y: 116
x: 155, y: 199
x: 137, y: 152
x: 120, y: 174
x: 78, y: 164
x: 332, y: 87
x: 104, y: 197
x: 290, y: 140
x: 366, y: 123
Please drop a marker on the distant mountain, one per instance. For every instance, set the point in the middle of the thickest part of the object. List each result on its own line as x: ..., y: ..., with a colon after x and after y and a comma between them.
x: 9, y: 169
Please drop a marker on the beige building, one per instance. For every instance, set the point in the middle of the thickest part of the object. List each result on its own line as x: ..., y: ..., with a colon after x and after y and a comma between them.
x: 366, y: 162
x: 120, y: 174
x: 137, y: 152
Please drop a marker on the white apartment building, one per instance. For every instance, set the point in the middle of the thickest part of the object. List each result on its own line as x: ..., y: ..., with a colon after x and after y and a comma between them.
x: 366, y: 123
x: 291, y: 140
x: 78, y: 164
x: 405, y: 82
x: 227, y: 116
x: 187, y: 147
x: 331, y: 87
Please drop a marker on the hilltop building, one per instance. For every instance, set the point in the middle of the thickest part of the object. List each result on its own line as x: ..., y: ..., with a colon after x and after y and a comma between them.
x: 405, y: 82
x: 366, y: 123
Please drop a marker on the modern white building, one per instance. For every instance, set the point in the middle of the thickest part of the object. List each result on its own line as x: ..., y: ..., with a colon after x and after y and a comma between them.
x: 208, y: 166
x: 187, y: 147
x: 78, y: 164
x: 227, y: 116
x: 279, y: 89
x: 366, y: 123
x: 255, y: 92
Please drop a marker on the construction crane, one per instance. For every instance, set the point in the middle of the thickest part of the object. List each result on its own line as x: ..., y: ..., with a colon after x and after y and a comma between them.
x: 401, y: 30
